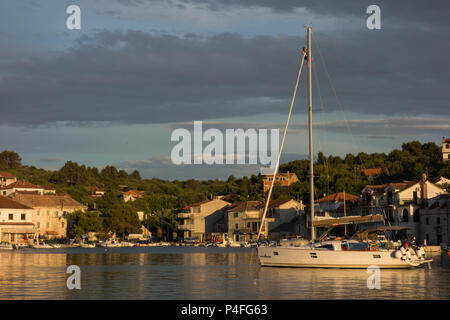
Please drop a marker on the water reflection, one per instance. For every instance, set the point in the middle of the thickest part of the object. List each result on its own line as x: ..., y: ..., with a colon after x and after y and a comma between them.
x: 201, y: 273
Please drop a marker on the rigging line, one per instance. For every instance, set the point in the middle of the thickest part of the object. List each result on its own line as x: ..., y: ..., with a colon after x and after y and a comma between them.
x: 327, y: 168
x: 316, y: 192
x: 338, y: 101
x: 275, y: 171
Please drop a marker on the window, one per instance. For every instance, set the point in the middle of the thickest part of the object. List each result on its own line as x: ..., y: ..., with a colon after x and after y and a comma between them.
x: 236, y: 226
x: 236, y: 214
x: 56, y: 214
x: 39, y: 212
x: 48, y: 213
x: 438, y: 220
x: 22, y: 216
x: 405, y: 216
x: 11, y: 216
x: 48, y: 224
x: 415, y: 197
x: 427, y: 221
x: 38, y: 224
x: 4, y: 193
x: 416, y: 216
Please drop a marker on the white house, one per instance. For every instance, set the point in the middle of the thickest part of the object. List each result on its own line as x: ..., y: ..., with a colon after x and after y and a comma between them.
x: 23, y: 186
x: 6, y: 178
x: 16, y: 222
x: 400, y: 202
x: 434, y: 225
x: 201, y: 218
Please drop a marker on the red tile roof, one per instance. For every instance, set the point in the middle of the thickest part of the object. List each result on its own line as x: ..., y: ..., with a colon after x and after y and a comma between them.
x: 373, y: 172
x: 402, y: 185
x: 21, y: 184
x: 7, y: 203
x: 6, y: 174
x: 245, y: 206
x: 49, y: 200
x: 277, y: 203
x: 337, y: 197
x: 136, y: 193
x: 376, y: 186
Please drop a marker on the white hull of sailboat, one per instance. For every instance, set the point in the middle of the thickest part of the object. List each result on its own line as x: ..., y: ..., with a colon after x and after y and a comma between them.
x: 323, y: 258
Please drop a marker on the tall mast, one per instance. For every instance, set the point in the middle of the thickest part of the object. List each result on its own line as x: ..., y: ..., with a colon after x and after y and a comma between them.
x: 311, y: 168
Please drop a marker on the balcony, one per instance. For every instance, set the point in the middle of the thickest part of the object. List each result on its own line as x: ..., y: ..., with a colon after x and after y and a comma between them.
x: 185, y: 215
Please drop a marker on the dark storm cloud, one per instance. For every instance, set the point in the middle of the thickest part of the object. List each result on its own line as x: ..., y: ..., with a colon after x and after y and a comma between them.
x: 414, y: 11
x: 137, y: 77
x: 374, y: 128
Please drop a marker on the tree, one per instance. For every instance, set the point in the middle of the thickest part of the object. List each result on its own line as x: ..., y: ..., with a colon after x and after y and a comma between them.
x: 122, y: 220
x: 135, y: 175
x: 10, y: 160
x: 81, y: 222
x: 110, y: 173
x: 163, y: 219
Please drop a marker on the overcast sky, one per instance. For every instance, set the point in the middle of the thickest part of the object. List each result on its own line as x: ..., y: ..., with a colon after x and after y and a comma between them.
x: 113, y: 92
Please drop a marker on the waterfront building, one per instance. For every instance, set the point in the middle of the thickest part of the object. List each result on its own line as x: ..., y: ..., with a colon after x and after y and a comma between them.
x: 16, y: 222
x: 21, y: 185
x: 434, y: 221
x: 6, y: 178
x: 50, y: 212
x: 244, y: 218
x: 282, y: 179
x: 132, y: 195
x: 334, y: 203
x: 202, y: 220
x: 400, y: 202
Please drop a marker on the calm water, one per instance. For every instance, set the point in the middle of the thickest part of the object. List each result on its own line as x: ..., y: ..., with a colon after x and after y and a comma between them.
x: 200, y: 273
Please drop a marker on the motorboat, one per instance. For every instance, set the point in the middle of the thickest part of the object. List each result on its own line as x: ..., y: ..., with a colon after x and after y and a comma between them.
x: 41, y: 246
x: 87, y: 245
x: 110, y: 244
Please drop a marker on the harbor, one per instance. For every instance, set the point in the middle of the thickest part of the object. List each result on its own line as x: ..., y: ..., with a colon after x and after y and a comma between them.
x: 235, y: 150
x: 177, y: 273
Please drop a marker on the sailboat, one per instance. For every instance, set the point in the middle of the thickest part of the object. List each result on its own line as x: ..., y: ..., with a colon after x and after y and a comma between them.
x: 354, y: 253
